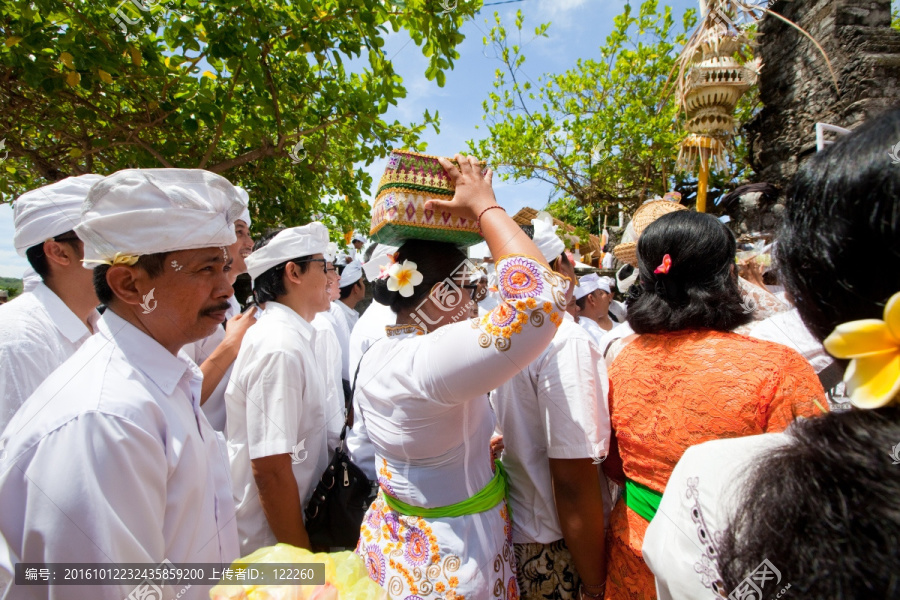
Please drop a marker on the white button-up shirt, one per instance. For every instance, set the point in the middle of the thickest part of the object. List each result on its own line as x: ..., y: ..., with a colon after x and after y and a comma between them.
x: 594, y: 330
x: 342, y: 319
x: 112, y: 460
x: 277, y: 403
x: 199, y: 351
x: 556, y: 407
x: 38, y: 332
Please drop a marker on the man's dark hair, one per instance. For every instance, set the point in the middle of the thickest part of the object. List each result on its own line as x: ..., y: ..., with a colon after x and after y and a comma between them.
x: 580, y: 302
x: 436, y: 261
x: 152, y: 264
x: 38, y: 260
x: 269, y: 286
x: 823, y: 509
x: 700, y: 291
x: 838, y: 251
x: 348, y: 289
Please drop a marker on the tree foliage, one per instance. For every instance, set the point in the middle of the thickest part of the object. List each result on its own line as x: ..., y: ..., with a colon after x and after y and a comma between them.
x: 602, y: 132
x: 284, y: 98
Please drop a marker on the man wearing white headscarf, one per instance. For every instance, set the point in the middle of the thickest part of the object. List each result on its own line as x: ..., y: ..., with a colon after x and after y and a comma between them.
x: 554, y: 419
x: 328, y: 347
x: 351, y: 289
x: 42, y: 328
x: 369, y: 328
x: 215, y: 354
x: 111, y: 460
x: 356, y: 244
x: 593, y: 296
x: 278, y: 406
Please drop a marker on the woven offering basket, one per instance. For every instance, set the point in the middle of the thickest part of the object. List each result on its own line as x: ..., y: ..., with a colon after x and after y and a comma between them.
x: 643, y: 216
x: 399, y: 213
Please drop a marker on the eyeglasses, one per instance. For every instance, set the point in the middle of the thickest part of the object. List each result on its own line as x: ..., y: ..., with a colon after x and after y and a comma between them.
x: 324, y: 262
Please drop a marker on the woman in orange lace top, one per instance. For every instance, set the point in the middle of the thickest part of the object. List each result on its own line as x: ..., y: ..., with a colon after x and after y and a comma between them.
x: 687, y: 379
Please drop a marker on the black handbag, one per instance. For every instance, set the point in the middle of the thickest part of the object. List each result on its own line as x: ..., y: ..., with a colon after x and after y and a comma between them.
x: 335, y: 512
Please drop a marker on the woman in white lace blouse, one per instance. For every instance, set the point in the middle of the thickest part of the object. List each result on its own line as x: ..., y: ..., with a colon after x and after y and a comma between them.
x: 440, y: 526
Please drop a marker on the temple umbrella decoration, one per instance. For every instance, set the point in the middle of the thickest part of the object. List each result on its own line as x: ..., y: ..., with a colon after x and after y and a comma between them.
x: 711, y: 82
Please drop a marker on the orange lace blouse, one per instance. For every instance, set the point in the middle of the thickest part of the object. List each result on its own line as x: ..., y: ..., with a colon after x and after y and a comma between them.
x: 675, y: 390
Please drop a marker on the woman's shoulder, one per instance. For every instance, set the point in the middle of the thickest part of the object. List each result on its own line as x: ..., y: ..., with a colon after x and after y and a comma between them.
x: 710, y: 346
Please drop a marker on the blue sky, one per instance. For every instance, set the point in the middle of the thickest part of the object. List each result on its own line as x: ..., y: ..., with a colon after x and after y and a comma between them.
x: 579, y: 28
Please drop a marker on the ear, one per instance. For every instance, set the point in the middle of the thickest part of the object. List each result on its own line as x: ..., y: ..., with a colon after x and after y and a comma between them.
x: 126, y: 283
x: 62, y: 253
x: 292, y: 273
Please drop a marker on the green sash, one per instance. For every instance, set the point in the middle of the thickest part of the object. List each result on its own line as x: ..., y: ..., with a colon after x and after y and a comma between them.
x: 641, y: 499
x: 490, y: 496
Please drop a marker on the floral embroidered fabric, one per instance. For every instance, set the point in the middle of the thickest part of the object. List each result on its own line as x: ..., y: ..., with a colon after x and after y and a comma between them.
x: 406, y: 556
x: 521, y: 281
x: 672, y: 391
x: 423, y: 400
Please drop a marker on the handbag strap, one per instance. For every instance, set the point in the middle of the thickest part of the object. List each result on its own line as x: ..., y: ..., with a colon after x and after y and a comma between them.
x: 348, y: 404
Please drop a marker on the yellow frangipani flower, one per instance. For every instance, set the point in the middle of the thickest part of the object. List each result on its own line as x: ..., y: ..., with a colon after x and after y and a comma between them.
x: 873, y: 377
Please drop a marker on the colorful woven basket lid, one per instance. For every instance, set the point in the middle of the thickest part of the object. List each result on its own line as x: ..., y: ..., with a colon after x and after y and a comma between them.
x: 399, y: 213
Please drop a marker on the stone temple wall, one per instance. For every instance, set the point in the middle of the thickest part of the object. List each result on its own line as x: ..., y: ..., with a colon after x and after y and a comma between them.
x: 797, y: 90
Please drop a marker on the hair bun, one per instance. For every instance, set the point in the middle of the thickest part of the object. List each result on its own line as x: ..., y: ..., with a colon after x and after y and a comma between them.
x: 382, y: 294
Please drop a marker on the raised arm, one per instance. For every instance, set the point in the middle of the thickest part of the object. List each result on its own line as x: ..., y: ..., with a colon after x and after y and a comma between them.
x: 468, y: 359
x: 473, y: 199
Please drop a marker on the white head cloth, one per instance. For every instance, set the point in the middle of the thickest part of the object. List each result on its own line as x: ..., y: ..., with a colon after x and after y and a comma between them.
x: 48, y: 211
x: 145, y: 211
x: 591, y: 283
x: 244, y: 216
x: 294, y: 242
x: 545, y: 237
x: 351, y: 274
x: 381, y: 259
x: 624, y: 283
x: 358, y: 237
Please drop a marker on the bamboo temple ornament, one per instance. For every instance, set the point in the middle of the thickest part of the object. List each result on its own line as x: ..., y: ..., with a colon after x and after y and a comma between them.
x: 711, y: 82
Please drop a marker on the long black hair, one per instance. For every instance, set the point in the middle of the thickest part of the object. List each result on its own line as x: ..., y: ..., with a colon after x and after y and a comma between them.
x: 839, y: 245
x: 700, y: 290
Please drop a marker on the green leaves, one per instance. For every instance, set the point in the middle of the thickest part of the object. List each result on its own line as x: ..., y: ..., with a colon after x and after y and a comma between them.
x: 216, y: 84
x: 603, y: 133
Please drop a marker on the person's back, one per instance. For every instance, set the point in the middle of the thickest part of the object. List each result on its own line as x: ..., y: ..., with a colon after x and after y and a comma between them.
x: 440, y: 525
x: 848, y: 549
x: 817, y: 503
x: 686, y: 379
x: 678, y: 389
x: 39, y: 334
x: 552, y: 414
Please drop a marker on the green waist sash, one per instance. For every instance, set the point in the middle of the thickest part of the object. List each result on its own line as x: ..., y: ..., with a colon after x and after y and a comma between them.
x: 641, y: 499
x: 490, y: 496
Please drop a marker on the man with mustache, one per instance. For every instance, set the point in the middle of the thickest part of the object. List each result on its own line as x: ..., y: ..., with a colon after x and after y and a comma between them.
x: 111, y: 460
x: 215, y: 353
x: 280, y: 398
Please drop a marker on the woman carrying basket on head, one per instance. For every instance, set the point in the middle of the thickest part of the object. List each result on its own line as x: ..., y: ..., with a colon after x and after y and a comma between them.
x: 440, y: 526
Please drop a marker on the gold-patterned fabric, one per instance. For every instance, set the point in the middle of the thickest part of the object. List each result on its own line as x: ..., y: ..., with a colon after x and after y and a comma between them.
x: 398, y: 213
x: 546, y: 571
